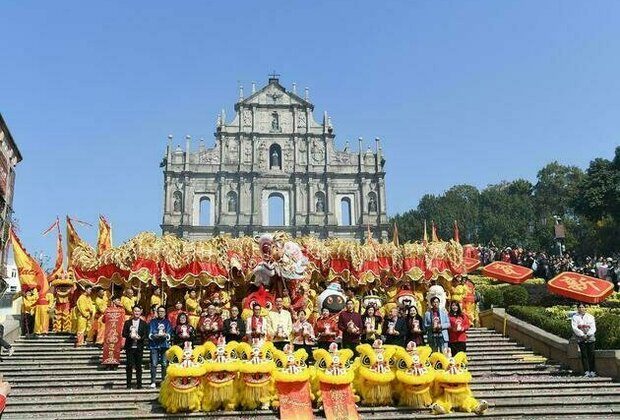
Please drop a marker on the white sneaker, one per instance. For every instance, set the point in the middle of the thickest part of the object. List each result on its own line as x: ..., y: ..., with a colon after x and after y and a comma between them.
x: 153, y: 385
x: 11, y: 351
x: 587, y: 374
x: 592, y: 374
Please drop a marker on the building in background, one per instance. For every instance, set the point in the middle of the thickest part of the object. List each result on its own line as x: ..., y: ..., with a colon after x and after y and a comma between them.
x: 274, y: 168
x: 9, y: 158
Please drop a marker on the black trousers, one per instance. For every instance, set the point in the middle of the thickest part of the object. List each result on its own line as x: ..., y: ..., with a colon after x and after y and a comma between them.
x: 587, y: 356
x: 280, y: 344
x: 27, y: 324
x: 456, y: 347
x: 324, y: 344
x: 134, y: 361
x: 3, y: 343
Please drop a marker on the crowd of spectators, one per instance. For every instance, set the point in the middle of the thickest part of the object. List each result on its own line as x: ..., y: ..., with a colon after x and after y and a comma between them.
x: 547, y: 265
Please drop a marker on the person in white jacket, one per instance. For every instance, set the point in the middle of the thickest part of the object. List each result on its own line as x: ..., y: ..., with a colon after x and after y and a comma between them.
x: 584, y: 328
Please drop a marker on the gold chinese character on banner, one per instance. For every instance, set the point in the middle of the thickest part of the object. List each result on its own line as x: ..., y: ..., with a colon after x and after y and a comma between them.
x: 580, y: 284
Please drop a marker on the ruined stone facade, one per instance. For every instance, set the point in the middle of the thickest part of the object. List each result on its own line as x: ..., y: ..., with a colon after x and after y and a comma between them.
x: 273, y: 167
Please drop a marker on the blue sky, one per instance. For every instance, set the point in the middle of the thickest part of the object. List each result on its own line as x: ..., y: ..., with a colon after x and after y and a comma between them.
x: 460, y: 92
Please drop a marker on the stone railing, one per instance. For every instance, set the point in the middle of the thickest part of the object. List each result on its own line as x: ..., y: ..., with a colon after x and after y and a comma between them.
x: 551, y: 346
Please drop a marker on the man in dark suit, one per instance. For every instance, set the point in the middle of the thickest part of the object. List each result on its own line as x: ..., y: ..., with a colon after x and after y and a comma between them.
x: 135, y: 331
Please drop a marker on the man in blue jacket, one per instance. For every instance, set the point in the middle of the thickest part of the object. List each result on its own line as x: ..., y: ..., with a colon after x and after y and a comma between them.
x: 160, y: 333
x: 436, y: 324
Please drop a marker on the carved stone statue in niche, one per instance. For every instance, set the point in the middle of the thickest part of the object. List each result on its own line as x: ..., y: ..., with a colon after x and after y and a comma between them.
x: 275, y: 121
x: 372, y: 204
x: 275, y: 159
x: 320, y: 203
x: 317, y: 153
x: 176, y: 205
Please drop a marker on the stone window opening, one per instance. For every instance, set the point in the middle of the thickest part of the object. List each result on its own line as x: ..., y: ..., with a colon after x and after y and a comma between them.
x: 275, y: 208
x: 205, y: 212
x: 345, y: 211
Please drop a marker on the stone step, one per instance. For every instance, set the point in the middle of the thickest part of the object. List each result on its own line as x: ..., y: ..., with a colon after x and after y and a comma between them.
x: 141, y: 410
x: 35, y: 369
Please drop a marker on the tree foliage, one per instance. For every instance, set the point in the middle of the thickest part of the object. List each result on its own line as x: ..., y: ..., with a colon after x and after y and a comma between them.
x: 519, y: 213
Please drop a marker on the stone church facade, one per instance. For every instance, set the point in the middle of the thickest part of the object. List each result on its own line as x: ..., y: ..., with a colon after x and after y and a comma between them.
x: 274, y: 168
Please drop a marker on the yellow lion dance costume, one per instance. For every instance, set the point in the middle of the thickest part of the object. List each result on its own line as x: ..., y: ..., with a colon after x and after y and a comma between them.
x: 374, y: 374
x: 256, y: 367
x: 414, y: 376
x: 221, y: 367
x: 451, y: 387
x: 333, y: 367
x: 291, y: 370
x: 181, y: 391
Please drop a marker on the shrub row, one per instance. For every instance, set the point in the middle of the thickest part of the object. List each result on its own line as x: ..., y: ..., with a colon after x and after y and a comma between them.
x: 607, y: 324
x: 504, y: 296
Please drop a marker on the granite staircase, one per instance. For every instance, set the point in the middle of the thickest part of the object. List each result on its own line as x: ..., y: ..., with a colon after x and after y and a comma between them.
x: 53, y: 380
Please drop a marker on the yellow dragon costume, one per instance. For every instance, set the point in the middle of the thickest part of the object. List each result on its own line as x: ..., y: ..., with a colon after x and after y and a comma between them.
x: 414, y: 376
x: 451, y: 387
x: 221, y: 366
x: 181, y: 391
x: 256, y: 366
x: 63, y: 287
x: 374, y: 375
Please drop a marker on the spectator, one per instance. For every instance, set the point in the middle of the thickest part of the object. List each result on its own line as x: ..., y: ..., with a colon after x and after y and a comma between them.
x: 234, y: 327
x: 135, y: 331
x: 172, y: 315
x: 436, y: 324
x: 350, y: 323
x: 395, y: 328
x: 210, y: 325
x: 303, y: 334
x: 256, y: 327
x: 160, y: 335
x: 584, y: 328
x: 279, y: 325
x: 372, y: 325
x: 326, y: 328
x: 183, y: 331
x: 459, y: 324
x: 414, y: 327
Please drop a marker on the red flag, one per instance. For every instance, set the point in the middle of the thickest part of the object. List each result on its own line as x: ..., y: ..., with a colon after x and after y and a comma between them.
x: 31, y: 274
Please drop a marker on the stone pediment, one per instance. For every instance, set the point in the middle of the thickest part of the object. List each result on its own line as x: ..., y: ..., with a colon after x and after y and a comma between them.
x: 274, y: 94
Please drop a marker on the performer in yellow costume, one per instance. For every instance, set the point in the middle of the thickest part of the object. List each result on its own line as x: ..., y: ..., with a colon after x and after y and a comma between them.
x: 101, y: 303
x: 84, y: 310
x: 29, y: 299
x: 42, y: 315
x: 192, y: 307
x: 129, y: 300
x: 157, y: 298
x: 63, y: 287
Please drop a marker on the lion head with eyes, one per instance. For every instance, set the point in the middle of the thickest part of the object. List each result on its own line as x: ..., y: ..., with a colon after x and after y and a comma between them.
x: 374, y: 373
x: 451, y: 387
x: 256, y: 366
x: 414, y: 376
x: 181, y: 391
